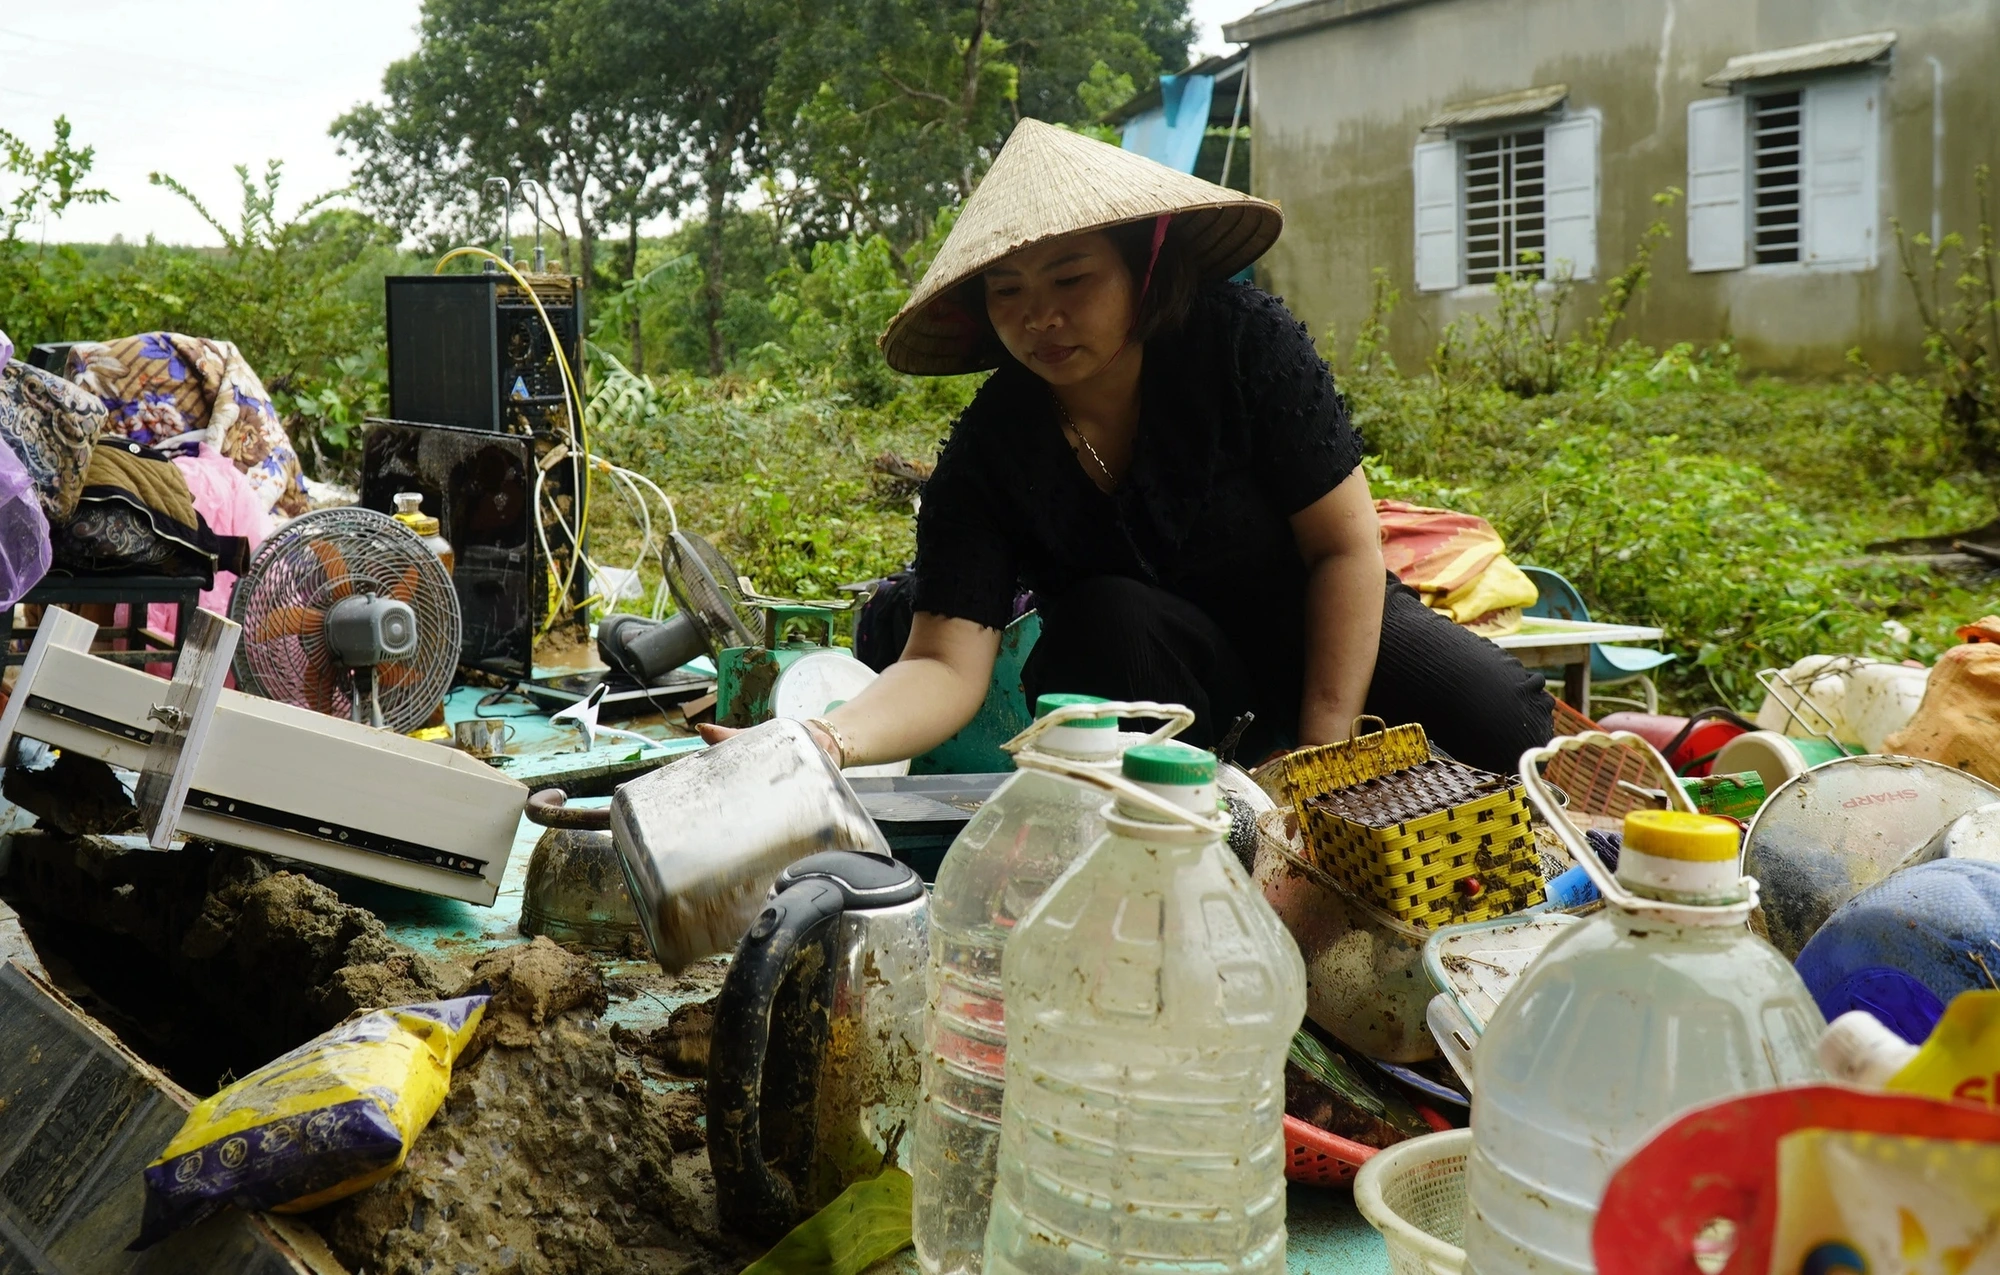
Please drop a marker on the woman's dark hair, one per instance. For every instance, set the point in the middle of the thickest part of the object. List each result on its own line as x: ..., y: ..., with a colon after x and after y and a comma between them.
x: 1162, y: 309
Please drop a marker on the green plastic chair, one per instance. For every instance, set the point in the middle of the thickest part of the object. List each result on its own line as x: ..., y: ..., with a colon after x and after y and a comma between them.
x: 1609, y: 665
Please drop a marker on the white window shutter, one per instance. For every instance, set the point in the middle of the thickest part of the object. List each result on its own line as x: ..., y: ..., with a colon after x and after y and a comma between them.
x: 1843, y: 128
x: 1717, y: 229
x: 1434, y: 166
x: 1570, y: 216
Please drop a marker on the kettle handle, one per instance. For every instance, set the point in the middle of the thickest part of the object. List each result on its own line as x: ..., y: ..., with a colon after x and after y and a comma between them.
x: 793, y: 930
x: 547, y: 808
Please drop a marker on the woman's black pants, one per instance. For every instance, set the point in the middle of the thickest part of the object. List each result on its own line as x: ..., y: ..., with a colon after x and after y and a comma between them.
x: 1124, y: 639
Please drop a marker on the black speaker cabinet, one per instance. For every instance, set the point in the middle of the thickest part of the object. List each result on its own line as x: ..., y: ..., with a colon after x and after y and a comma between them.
x: 471, y: 351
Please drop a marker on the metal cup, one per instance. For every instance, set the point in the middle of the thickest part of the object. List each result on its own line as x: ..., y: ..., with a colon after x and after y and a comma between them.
x: 483, y: 737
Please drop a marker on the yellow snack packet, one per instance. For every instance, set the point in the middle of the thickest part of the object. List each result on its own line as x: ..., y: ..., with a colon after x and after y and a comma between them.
x: 333, y: 1116
x: 1960, y: 1059
x: 1870, y: 1203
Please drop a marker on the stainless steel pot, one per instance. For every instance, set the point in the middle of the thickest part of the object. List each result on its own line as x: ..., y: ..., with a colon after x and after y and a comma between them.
x: 702, y: 839
x: 576, y: 891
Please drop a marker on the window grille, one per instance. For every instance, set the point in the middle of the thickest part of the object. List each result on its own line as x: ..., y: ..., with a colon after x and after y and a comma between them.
x: 1775, y: 134
x: 1503, y: 205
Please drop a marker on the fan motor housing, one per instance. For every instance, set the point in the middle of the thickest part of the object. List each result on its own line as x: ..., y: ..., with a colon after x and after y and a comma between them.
x: 366, y: 629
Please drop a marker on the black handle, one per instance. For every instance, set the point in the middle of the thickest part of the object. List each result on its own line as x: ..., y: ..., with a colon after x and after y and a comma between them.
x: 760, y: 1129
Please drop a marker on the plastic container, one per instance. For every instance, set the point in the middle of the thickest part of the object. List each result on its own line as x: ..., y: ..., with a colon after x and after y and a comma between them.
x: 1025, y: 836
x: 1661, y: 1002
x: 1414, y: 1193
x: 1855, y: 699
x: 1151, y: 996
x: 1316, y: 1157
x: 1365, y: 979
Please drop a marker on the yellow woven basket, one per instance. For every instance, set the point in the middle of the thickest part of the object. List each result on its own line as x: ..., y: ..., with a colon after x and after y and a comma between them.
x: 1466, y: 860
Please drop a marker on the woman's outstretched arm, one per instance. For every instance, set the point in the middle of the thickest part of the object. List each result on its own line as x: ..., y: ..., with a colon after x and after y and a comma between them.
x: 1341, y: 541
x: 920, y: 701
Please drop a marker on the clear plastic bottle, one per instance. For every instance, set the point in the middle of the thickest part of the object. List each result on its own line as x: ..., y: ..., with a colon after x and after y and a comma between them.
x: 1151, y: 996
x: 1621, y: 1024
x: 1028, y: 832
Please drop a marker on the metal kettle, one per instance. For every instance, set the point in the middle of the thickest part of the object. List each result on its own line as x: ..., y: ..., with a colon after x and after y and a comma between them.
x: 813, y: 1060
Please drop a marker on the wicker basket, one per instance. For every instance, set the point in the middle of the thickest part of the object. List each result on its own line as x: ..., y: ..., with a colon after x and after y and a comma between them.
x: 1430, y: 841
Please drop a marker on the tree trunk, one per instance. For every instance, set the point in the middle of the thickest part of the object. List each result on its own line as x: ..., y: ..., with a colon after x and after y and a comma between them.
x: 718, y: 206
x: 968, y: 88
x: 586, y: 244
x: 631, y: 273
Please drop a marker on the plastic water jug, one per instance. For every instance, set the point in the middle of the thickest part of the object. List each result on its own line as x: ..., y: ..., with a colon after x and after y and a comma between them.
x: 1024, y: 837
x: 1151, y: 997
x: 1661, y: 1002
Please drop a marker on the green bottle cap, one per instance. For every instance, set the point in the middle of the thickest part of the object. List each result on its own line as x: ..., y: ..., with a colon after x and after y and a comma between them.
x: 1169, y: 763
x: 1046, y: 704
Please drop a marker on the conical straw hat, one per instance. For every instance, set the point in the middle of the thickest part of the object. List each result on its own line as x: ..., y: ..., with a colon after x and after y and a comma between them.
x: 1048, y: 182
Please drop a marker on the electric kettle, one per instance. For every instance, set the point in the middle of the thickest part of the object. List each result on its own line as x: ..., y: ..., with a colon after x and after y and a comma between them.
x: 813, y: 1061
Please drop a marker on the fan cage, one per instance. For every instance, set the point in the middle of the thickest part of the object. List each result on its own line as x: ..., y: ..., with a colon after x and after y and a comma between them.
x: 704, y: 586
x: 305, y: 565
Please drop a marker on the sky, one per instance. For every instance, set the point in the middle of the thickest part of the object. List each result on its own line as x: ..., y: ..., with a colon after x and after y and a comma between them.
x: 216, y: 83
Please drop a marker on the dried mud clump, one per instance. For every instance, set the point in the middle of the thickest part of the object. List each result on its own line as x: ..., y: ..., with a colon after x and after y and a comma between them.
x: 552, y: 1155
x: 294, y: 949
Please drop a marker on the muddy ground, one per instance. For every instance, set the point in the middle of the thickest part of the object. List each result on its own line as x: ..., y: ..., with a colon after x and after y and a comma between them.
x: 565, y: 1146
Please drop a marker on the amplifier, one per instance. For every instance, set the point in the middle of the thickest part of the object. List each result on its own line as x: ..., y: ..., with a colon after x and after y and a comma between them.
x: 480, y: 486
x: 471, y: 350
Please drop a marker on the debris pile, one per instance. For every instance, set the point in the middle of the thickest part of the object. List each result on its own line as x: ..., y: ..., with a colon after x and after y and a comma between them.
x: 554, y: 1153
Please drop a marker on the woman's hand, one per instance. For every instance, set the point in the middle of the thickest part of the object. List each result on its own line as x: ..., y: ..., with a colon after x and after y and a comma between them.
x: 920, y: 701
x: 1341, y: 541
x: 712, y: 734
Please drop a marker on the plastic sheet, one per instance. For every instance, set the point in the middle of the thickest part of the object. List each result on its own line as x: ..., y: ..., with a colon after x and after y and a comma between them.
x: 24, y: 530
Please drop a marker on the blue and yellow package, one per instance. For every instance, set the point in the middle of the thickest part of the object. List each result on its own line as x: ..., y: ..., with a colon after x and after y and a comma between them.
x: 334, y: 1116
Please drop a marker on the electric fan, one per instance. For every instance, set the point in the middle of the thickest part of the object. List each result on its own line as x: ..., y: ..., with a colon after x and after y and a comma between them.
x: 712, y: 614
x: 345, y: 611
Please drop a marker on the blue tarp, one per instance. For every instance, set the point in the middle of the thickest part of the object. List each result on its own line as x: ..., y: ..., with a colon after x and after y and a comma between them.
x: 1171, y: 132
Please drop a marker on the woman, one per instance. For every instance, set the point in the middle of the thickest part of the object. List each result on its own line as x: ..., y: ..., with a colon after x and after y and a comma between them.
x: 1163, y: 459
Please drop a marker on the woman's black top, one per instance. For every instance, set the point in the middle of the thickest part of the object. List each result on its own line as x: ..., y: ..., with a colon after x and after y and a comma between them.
x: 1240, y: 427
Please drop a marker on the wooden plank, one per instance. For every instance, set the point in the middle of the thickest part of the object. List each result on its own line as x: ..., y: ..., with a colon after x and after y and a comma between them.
x: 181, y: 723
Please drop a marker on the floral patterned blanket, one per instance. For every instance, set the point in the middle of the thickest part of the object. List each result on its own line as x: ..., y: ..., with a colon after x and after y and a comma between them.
x: 159, y: 385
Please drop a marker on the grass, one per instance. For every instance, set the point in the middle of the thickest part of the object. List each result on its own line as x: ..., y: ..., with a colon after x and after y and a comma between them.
x: 1733, y: 512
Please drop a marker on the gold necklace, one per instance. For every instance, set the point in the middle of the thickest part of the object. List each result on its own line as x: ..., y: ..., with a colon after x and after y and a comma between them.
x: 1102, y: 467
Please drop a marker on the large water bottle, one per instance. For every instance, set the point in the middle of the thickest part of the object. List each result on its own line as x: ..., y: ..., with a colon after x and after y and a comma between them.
x: 1151, y: 997
x: 1024, y: 837
x: 1662, y: 1002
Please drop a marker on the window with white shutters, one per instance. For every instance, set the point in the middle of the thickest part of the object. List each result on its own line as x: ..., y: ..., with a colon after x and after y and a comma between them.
x: 1776, y: 127
x: 1504, y: 205
x: 1785, y: 175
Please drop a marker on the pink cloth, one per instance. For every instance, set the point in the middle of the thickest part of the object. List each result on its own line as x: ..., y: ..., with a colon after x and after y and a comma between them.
x: 231, y: 507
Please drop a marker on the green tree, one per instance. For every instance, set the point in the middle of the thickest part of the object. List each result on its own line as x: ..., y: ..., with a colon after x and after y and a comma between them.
x: 523, y: 88
x: 887, y: 110
x: 50, y: 180
x: 724, y: 54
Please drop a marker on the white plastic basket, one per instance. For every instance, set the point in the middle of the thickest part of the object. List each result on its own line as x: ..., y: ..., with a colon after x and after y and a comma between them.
x: 1414, y: 1193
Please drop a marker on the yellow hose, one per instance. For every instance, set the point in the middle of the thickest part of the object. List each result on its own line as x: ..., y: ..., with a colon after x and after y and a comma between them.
x: 579, y: 435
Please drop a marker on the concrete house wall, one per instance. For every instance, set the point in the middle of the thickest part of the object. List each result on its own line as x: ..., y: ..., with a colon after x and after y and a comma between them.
x: 1341, y: 91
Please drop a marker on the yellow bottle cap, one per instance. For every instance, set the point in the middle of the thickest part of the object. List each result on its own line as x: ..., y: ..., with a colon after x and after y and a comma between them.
x: 1674, y: 834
